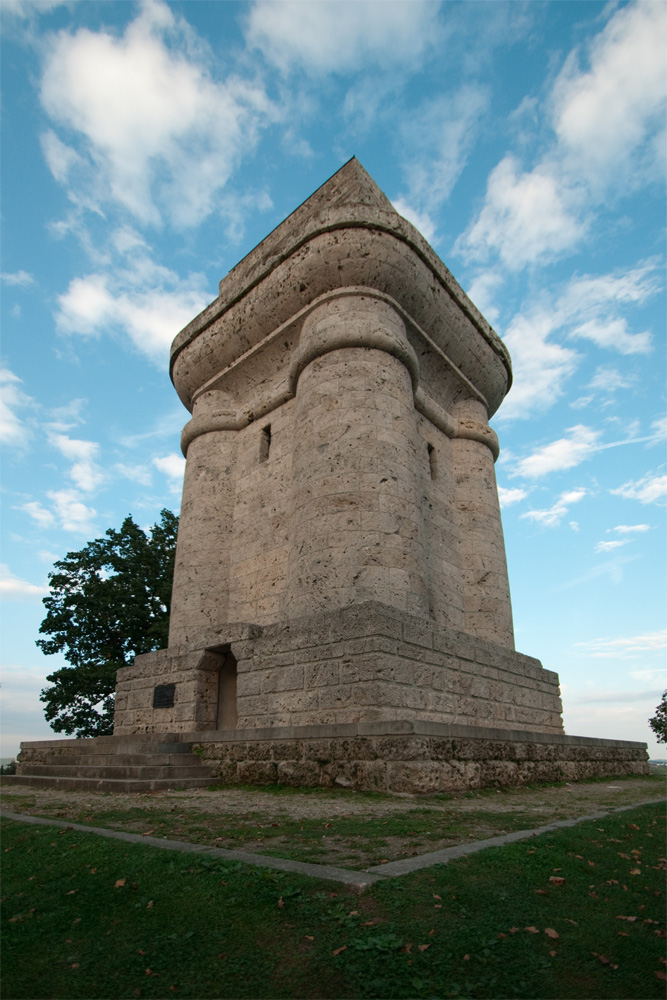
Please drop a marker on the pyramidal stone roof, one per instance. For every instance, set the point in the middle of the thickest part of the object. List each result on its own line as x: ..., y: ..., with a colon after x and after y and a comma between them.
x: 349, y: 200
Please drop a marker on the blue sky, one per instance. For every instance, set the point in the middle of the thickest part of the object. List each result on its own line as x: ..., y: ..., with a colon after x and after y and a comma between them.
x: 147, y: 147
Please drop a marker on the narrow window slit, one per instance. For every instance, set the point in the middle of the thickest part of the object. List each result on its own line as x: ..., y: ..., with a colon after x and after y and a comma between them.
x: 265, y: 443
x: 433, y: 461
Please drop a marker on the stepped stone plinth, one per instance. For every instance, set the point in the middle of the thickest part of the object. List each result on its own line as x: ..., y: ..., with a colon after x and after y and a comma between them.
x: 341, y: 609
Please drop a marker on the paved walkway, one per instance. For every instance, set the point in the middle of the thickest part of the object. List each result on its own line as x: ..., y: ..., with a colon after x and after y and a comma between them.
x: 355, y: 879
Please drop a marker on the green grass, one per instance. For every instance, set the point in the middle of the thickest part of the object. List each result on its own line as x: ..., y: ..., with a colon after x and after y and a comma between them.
x: 349, y: 841
x: 89, y: 918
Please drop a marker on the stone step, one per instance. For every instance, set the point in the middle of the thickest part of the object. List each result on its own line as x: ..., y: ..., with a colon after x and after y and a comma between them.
x: 108, y: 784
x: 122, y: 759
x: 114, y: 770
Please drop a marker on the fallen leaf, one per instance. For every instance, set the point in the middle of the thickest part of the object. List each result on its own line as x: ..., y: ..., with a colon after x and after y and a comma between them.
x: 502, y: 935
x: 556, y: 869
x: 661, y: 975
x: 354, y: 913
x: 338, y: 950
x: 513, y: 930
x: 150, y: 904
x: 423, y: 947
x: 75, y: 965
x: 119, y: 883
x: 437, y: 906
x: 147, y: 833
x: 633, y: 826
x: 591, y: 863
x: 140, y: 951
x: 532, y: 930
x: 280, y: 903
x: 550, y: 932
x: 553, y: 953
x: 630, y: 919
x: 466, y: 958
x: 384, y: 861
x: 309, y: 937
x: 541, y: 892
x: 556, y: 880
x: 435, y: 896
x: 71, y: 892
x: 623, y: 934
x: 635, y: 871
x: 407, y: 949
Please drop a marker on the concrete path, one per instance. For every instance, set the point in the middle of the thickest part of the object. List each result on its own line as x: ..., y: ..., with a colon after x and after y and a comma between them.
x: 358, y: 880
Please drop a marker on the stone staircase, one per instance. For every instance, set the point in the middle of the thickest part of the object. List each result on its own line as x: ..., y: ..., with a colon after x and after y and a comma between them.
x: 112, y: 764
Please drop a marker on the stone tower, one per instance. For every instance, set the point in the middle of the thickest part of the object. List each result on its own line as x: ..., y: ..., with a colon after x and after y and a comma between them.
x: 340, y: 554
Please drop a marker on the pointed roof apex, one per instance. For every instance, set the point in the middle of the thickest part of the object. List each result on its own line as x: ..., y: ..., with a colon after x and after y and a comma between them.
x: 351, y: 185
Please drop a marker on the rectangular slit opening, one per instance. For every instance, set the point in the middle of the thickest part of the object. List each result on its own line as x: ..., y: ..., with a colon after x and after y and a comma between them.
x: 265, y: 443
x: 432, y: 461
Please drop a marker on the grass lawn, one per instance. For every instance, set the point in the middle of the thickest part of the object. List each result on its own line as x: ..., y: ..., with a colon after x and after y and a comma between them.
x: 333, y: 836
x: 573, y: 913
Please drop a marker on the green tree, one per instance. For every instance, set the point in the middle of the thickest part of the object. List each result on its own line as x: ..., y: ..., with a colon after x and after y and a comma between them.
x: 659, y: 721
x: 108, y: 603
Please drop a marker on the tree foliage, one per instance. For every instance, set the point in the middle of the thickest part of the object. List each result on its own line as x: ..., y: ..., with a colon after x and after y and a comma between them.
x: 659, y: 721
x: 108, y: 603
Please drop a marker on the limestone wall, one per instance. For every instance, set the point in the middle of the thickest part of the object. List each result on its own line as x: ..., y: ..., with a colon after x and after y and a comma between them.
x: 362, y: 663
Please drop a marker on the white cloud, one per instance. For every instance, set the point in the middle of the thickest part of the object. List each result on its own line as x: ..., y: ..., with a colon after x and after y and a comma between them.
x: 552, y: 516
x: 609, y: 380
x: 154, y: 131
x: 136, y: 473
x: 508, y: 497
x: 650, y: 676
x: 566, y: 453
x: 85, y: 472
x: 40, y: 515
x: 587, y: 306
x: 330, y: 37
x: 172, y: 465
x: 13, y: 431
x: 614, y: 334
x: 651, y: 489
x: 73, y: 513
x: 25, y: 9
x: 59, y: 157
x: 11, y: 587
x: 611, y: 545
x: 627, y: 529
x: 20, y: 278
x: 541, y: 367
x: 420, y: 220
x: 437, y: 139
x: 605, y: 115
x: 149, y: 303
x: 606, y: 121
x: 525, y: 216
x: 648, y: 643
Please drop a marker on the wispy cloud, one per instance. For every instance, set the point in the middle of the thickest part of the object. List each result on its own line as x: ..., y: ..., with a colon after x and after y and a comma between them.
x: 610, y: 545
x: 172, y: 465
x: 13, y: 430
x: 39, y: 514
x: 624, y: 646
x: 604, y: 120
x: 145, y: 301
x: 627, y: 529
x: 11, y: 587
x: 566, y: 453
x: 552, y: 516
x: 325, y: 38
x: 508, y: 497
x: 20, y: 278
x: 148, y: 126
x: 652, y: 488
x: 72, y: 512
x: 85, y: 471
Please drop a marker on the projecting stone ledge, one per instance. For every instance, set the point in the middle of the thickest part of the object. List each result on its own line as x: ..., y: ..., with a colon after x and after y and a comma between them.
x: 413, y: 758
